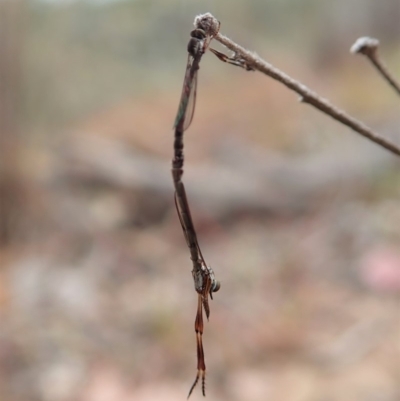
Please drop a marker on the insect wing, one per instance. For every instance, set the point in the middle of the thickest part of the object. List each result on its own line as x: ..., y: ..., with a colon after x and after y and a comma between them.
x: 191, y: 103
x: 182, y: 220
x: 186, y: 104
x: 185, y: 217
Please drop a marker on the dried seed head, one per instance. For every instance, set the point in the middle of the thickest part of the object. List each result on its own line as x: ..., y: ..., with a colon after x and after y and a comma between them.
x: 365, y: 45
x: 208, y: 23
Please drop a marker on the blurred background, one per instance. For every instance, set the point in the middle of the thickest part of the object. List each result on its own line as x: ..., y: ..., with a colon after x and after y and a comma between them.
x: 298, y: 216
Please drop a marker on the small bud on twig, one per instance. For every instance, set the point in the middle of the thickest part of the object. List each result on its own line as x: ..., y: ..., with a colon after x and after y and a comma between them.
x: 364, y: 45
x: 208, y: 23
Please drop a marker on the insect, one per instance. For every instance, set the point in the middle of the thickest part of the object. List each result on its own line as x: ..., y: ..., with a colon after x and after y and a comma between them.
x: 203, y: 276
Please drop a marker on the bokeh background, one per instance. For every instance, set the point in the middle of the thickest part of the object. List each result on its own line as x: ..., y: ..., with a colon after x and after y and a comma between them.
x: 298, y: 216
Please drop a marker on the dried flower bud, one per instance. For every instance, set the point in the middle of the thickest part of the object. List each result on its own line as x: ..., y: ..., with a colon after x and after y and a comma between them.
x: 365, y: 45
x: 208, y: 23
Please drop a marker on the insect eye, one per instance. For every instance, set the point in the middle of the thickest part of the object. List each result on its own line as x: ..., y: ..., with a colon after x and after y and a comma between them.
x: 216, y: 286
x: 198, y: 34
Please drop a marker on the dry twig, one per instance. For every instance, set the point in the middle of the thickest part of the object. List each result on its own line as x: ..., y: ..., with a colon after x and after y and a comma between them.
x: 255, y: 62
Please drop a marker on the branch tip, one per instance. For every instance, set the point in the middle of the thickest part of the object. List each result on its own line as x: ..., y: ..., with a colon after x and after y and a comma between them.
x: 365, y: 45
x: 310, y: 97
x: 369, y: 48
